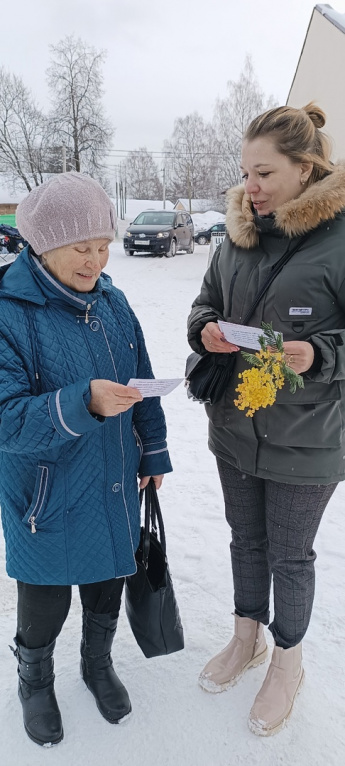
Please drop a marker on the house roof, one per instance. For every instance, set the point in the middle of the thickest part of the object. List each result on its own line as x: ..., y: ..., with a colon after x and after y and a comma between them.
x: 336, y: 18
x: 194, y: 202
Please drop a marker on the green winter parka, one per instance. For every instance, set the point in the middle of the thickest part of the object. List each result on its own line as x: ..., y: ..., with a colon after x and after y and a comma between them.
x: 301, y: 438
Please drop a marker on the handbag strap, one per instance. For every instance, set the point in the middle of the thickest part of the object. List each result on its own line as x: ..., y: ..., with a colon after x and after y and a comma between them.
x: 153, y: 516
x: 274, y: 273
x: 156, y: 515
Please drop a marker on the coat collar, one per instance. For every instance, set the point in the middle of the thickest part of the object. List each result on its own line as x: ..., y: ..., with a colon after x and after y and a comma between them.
x: 318, y: 203
x: 25, y: 279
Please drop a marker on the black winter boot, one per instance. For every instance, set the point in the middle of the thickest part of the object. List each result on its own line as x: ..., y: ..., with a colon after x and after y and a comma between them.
x: 97, y: 669
x: 42, y: 718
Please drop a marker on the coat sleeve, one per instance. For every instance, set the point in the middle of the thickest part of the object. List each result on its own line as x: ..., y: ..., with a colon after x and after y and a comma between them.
x: 208, y: 306
x: 330, y: 347
x: 331, y: 344
x: 30, y: 424
x: 148, y: 418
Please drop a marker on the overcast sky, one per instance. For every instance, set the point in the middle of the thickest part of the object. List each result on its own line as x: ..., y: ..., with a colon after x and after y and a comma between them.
x: 165, y: 59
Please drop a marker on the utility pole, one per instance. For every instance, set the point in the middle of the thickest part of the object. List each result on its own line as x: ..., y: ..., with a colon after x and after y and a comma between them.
x: 64, y: 164
x: 125, y: 192
x: 164, y: 188
x: 122, y: 209
x: 188, y: 186
x: 117, y: 197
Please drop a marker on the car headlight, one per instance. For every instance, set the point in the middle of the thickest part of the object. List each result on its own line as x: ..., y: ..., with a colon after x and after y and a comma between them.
x: 163, y: 234
x: 128, y: 234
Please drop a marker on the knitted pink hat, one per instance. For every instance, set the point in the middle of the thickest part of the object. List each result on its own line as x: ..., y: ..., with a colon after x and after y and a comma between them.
x: 68, y: 208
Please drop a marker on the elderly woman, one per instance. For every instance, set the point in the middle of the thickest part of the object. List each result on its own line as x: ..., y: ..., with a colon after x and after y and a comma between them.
x: 279, y: 469
x: 73, y: 439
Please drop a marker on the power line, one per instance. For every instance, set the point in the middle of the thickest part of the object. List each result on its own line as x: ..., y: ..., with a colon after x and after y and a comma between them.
x: 139, y: 151
x: 170, y: 154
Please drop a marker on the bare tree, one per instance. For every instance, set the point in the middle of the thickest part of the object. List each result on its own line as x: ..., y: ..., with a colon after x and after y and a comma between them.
x: 191, y: 161
x: 24, y: 133
x: 203, y: 159
x: 244, y: 101
x: 76, y: 82
x: 142, y: 175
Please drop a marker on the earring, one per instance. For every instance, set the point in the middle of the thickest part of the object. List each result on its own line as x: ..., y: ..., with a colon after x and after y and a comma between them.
x: 302, y: 182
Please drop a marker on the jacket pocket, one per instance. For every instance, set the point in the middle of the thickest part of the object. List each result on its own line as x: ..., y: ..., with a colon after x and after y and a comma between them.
x: 34, y: 517
x: 301, y: 296
x: 316, y: 426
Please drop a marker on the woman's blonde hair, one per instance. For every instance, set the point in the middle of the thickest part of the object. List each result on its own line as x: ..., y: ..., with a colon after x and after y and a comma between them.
x: 296, y: 133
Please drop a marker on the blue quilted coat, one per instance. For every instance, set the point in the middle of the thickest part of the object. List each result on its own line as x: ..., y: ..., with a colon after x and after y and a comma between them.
x: 68, y: 480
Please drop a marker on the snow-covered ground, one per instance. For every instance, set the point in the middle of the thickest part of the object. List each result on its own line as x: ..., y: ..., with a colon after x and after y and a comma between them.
x: 174, y: 722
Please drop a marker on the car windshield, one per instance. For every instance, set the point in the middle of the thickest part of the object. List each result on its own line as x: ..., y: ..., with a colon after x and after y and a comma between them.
x: 154, y: 219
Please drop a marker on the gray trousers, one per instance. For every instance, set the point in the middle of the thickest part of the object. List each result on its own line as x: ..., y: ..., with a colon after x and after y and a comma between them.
x: 273, y: 527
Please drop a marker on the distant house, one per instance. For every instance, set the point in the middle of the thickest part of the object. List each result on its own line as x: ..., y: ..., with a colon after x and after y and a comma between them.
x: 197, y: 205
x: 8, y: 213
x: 320, y: 71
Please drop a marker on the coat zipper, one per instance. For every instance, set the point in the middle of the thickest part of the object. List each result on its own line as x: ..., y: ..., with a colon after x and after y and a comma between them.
x: 231, y: 291
x: 40, y: 499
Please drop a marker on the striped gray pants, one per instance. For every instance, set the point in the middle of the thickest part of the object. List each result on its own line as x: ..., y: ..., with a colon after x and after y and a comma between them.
x: 273, y: 527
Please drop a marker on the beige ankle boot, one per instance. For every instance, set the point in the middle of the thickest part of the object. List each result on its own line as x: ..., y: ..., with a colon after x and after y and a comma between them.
x: 246, y: 649
x: 274, y: 702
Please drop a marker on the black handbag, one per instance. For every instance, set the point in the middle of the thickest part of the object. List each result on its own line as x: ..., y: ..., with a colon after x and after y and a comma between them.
x: 207, y: 375
x: 150, y: 600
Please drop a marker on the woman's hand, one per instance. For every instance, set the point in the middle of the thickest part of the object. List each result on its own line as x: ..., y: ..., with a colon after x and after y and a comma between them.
x: 109, y: 399
x: 157, y: 480
x: 214, y: 341
x: 299, y: 355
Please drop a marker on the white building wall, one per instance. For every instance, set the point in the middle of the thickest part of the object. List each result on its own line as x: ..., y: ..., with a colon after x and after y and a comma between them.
x: 320, y: 77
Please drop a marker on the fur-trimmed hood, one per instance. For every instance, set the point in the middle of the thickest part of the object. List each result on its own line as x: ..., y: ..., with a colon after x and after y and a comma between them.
x: 319, y: 202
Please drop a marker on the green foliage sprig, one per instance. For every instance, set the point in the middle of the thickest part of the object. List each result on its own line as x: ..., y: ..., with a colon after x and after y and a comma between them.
x: 274, y: 341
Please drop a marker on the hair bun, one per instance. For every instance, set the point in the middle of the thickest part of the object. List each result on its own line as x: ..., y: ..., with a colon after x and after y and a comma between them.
x: 316, y: 114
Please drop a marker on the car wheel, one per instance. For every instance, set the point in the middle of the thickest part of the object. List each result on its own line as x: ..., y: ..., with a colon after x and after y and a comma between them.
x: 130, y: 252
x: 172, y: 249
x: 202, y: 241
x: 191, y: 246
